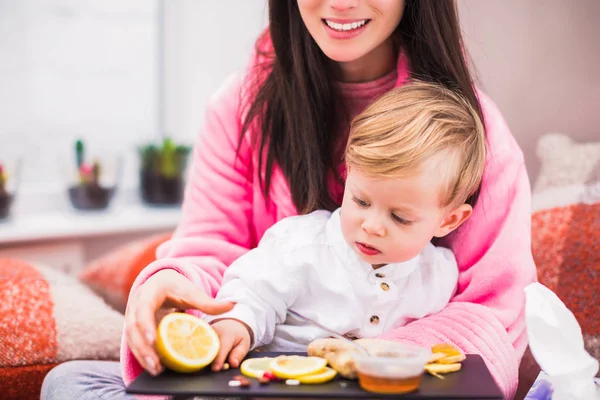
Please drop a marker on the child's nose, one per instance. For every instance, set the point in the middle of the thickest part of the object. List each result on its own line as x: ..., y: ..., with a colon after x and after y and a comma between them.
x: 373, y: 226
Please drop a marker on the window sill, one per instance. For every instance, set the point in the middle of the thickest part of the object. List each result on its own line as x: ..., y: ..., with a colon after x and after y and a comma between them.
x: 125, y: 215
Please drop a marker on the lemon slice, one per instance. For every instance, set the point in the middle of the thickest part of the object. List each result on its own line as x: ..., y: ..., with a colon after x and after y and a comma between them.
x: 256, y: 367
x: 293, y: 367
x: 320, y: 377
x: 186, y: 343
x: 446, y: 348
x: 452, y: 359
x: 442, y: 368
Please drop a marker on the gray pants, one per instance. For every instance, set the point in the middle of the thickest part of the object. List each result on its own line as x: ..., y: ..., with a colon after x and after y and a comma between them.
x: 87, y: 380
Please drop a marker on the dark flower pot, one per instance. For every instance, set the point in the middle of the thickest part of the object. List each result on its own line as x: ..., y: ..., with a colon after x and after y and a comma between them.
x: 90, y: 197
x: 159, y: 190
x: 5, y: 202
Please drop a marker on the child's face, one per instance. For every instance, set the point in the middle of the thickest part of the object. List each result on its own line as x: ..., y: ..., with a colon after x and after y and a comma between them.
x: 392, y: 220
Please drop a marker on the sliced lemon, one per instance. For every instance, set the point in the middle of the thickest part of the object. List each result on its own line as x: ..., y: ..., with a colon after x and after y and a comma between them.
x: 320, y: 377
x: 446, y: 348
x: 452, y: 359
x: 437, y: 356
x: 293, y: 367
x: 186, y: 343
x: 442, y: 368
x: 256, y: 367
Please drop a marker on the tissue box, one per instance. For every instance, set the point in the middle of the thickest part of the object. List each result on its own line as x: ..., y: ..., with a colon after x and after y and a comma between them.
x: 542, y: 388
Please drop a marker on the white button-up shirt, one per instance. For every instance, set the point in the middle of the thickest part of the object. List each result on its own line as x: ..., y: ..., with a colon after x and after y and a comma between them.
x: 303, y: 263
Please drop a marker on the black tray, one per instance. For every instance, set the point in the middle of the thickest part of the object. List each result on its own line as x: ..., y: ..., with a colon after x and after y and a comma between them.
x: 472, y: 382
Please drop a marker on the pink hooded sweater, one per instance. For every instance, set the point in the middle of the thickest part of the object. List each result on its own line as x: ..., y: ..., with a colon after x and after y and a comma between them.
x: 225, y: 215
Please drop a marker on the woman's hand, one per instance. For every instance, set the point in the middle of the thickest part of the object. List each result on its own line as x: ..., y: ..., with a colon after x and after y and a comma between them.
x: 235, y: 338
x: 163, y: 290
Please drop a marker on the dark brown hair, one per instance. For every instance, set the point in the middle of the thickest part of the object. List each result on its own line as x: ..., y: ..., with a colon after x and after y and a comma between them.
x: 295, y: 105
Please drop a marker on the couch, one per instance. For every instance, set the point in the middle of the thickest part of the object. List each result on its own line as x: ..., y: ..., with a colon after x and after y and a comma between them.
x: 47, y: 317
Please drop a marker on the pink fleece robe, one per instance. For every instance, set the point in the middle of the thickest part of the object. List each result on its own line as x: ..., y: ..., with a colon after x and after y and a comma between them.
x: 225, y: 215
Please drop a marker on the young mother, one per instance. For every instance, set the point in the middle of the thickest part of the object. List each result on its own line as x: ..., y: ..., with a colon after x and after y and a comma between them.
x: 318, y: 65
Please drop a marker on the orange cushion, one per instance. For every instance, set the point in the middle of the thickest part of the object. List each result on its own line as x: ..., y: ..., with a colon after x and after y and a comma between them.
x: 26, y: 315
x: 112, y: 275
x: 24, y: 382
x: 47, y: 317
x: 566, y: 249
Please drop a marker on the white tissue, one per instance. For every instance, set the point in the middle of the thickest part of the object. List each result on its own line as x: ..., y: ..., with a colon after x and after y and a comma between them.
x: 556, y: 343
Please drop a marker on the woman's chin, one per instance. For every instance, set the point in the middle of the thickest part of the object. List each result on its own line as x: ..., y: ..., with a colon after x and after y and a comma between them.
x: 342, y: 54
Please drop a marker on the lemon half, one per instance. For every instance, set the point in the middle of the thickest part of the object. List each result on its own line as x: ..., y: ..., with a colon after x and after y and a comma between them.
x: 186, y: 343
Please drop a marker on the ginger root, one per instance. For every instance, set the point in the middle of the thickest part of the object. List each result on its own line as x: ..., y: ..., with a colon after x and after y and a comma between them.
x: 339, y: 354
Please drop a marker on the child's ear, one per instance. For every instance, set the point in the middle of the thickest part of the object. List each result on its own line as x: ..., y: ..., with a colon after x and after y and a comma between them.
x: 454, y: 219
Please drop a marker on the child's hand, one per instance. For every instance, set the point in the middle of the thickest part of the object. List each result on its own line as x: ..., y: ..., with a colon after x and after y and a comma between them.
x: 235, y: 337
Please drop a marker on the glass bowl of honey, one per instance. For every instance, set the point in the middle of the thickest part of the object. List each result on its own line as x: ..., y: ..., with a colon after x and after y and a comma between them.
x: 391, y: 368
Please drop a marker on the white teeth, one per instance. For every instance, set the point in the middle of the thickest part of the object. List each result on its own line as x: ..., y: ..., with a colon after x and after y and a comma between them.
x: 345, y: 27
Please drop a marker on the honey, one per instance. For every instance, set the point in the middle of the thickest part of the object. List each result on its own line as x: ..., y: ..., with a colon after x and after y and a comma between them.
x: 385, y: 385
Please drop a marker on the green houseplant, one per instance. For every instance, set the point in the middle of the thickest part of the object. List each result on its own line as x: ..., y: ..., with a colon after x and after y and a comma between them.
x: 87, y: 192
x: 162, y: 172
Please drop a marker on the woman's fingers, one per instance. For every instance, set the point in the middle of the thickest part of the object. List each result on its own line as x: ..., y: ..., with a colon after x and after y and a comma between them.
x: 204, y: 303
x: 184, y: 294
x: 149, y: 301
x: 145, y: 355
x: 141, y: 325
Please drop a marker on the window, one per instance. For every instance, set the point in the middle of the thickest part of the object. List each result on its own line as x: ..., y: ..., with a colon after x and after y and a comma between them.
x: 113, y: 73
x: 76, y: 69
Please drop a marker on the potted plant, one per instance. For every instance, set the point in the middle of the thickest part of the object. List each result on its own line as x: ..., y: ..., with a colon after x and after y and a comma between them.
x: 88, y: 193
x: 162, y: 172
x: 5, y: 197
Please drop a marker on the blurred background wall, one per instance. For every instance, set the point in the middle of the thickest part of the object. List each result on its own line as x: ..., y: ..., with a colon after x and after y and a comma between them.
x: 539, y: 60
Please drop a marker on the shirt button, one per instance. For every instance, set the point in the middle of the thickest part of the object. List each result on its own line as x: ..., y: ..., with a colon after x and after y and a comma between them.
x: 380, y: 275
x: 385, y: 287
x: 374, y: 319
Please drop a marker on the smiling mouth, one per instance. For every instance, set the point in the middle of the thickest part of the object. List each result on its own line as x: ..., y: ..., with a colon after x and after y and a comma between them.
x: 346, y: 27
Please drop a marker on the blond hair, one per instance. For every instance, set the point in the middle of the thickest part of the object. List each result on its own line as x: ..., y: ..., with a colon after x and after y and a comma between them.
x: 421, y: 124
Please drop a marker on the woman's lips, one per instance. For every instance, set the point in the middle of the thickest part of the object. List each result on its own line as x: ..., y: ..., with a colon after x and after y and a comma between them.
x: 345, y: 30
x: 366, y: 249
